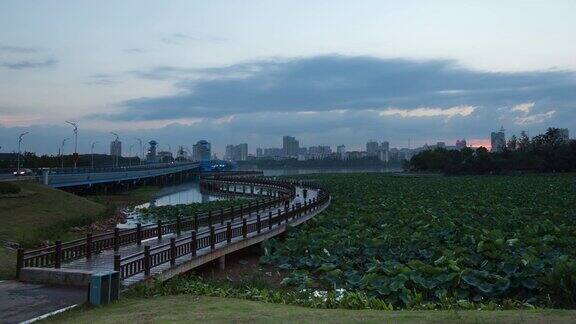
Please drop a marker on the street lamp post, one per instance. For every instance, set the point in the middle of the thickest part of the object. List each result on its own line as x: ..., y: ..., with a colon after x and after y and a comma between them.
x: 62, y: 152
x: 92, y: 155
x: 130, y: 156
x: 115, y: 156
x: 20, y: 142
x: 141, y: 150
x: 75, y: 142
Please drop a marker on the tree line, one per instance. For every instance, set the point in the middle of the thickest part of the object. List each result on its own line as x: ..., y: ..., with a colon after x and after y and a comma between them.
x: 548, y: 152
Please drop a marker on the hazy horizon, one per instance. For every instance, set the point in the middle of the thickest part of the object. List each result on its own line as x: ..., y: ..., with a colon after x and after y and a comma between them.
x: 327, y: 72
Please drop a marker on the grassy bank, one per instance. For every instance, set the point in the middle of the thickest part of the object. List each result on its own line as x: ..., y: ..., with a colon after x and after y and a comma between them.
x: 188, y: 308
x: 40, y: 214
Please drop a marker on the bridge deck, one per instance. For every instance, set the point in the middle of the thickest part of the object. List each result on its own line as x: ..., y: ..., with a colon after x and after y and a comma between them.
x: 104, y: 261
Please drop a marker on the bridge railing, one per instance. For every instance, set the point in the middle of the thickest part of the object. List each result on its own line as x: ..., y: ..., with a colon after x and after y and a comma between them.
x: 60, y: 252
x: 213, y: 237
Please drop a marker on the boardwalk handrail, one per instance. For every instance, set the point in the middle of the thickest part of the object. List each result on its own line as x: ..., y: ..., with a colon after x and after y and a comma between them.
x: 84, y: 247
x: 178, y: 247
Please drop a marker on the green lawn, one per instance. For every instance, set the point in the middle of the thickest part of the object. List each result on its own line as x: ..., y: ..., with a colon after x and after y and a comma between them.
x: 26, y: 219
x: 188, y: 308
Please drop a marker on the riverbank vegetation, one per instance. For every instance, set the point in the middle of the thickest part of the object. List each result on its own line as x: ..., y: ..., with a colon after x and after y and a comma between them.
x: 548, y: 152
x: 171, y: 212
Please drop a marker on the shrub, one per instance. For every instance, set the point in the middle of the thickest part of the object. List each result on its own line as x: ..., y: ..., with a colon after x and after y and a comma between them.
x: 560, y: 284
x: 9, y: 188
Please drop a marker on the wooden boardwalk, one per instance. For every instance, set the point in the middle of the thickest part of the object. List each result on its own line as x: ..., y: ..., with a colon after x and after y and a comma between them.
x: 173, y: 254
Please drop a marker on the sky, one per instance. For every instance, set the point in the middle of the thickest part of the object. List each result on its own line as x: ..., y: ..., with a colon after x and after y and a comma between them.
x: 328, y: 72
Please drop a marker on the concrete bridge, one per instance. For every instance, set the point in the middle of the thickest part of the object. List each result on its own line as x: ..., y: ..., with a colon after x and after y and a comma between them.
x: 166, y: 249
x: 86, y: 177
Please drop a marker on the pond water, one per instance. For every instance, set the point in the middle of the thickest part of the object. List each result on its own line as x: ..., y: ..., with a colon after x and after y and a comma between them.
x: 185, y: 193
x: 189, y: 192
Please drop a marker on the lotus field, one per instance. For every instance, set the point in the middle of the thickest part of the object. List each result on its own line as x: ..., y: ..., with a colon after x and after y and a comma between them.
x: 436, y: 242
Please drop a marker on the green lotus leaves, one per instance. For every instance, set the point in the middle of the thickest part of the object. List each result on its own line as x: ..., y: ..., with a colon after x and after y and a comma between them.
x: 429, y: 240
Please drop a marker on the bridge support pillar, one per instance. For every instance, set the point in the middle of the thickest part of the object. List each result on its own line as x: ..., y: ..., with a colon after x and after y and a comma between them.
x: 222, y: 262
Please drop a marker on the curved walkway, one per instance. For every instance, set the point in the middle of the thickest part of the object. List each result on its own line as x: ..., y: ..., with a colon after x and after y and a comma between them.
x: 187, y: 244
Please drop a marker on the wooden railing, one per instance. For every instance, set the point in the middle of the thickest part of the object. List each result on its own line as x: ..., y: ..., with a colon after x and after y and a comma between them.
x: 277, y: 192
x: 143, y: 262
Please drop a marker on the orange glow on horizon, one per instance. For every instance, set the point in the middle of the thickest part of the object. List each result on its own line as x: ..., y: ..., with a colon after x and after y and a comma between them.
x: 477, y: 142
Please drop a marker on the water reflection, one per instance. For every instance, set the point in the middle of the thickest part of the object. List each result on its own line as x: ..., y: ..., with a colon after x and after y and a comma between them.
x: 185, y: 193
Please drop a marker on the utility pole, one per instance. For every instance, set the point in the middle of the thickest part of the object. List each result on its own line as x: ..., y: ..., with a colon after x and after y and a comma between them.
x: 130, y: 156
x: 62, y: 152
x: 141, y: 150
x: 115, y: 157
x: 20, y: 142
x: 75, y: 157
x: 92, y: 155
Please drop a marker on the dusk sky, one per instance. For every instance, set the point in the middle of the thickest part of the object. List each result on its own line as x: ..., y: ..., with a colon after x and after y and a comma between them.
x: 327, y: 72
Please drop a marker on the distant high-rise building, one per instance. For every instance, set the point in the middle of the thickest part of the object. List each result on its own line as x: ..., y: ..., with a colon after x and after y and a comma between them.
x: 460, y: 144
x: 259, y: 152
x: 372, y: 148
x: 319, y: 152
x: 241, y: 152
x: 564, y: 134
x: 498, y: 141
x: 116, y: 148
x: 341, y: 150
x: 236, y: 152
x: 385, y: 146
x: 201, y: 151
x: 152, y: 157
x: 290, y: 146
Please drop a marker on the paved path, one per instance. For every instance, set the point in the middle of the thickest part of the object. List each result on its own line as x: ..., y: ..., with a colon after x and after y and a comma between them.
x: 22, y: 301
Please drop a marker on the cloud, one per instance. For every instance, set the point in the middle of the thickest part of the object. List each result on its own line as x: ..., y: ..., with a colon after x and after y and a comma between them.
x: 23, y: 65
x: 133, y: 50
x: 534, y: 119
x: 525, y: 107
x: 18, y: 49
x: 328, y: 83
x: 179, y: 38
x: 429, y: 112
x: 101, y: 79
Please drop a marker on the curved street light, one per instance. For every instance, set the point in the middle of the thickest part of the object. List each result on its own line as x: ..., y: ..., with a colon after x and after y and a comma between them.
x: 20, y: 142
x: 62, y: 151
x: 92, y: 155
x: 75, y: 141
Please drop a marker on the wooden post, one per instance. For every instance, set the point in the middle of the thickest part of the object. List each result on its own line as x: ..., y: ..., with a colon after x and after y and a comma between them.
x: 221, y: 216
x: 244, y: 228
x: 117, y: 262
x: 88, y: 245
x: 232, y: 213
x: 258, y: 224
x: 159, y: 229
x: 146, y: 260
x: 116, y: 239
x: 193, y: 246
x: 209, y: 218
x: 178, y: 226
x: 58, y: 255
x: 269, y: 220
x: 139, y: 234
x: 19, y: 262
x: 196, y: 222
x: 172, y: 251
x: 279, y: 217
x: 228, y: 232
x: 212, y: 238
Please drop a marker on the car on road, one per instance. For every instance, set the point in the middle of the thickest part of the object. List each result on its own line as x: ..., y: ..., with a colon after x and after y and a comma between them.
x: 23, y: 173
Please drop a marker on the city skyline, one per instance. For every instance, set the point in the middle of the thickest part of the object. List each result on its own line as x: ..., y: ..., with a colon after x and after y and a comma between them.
x: 378, y: 70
